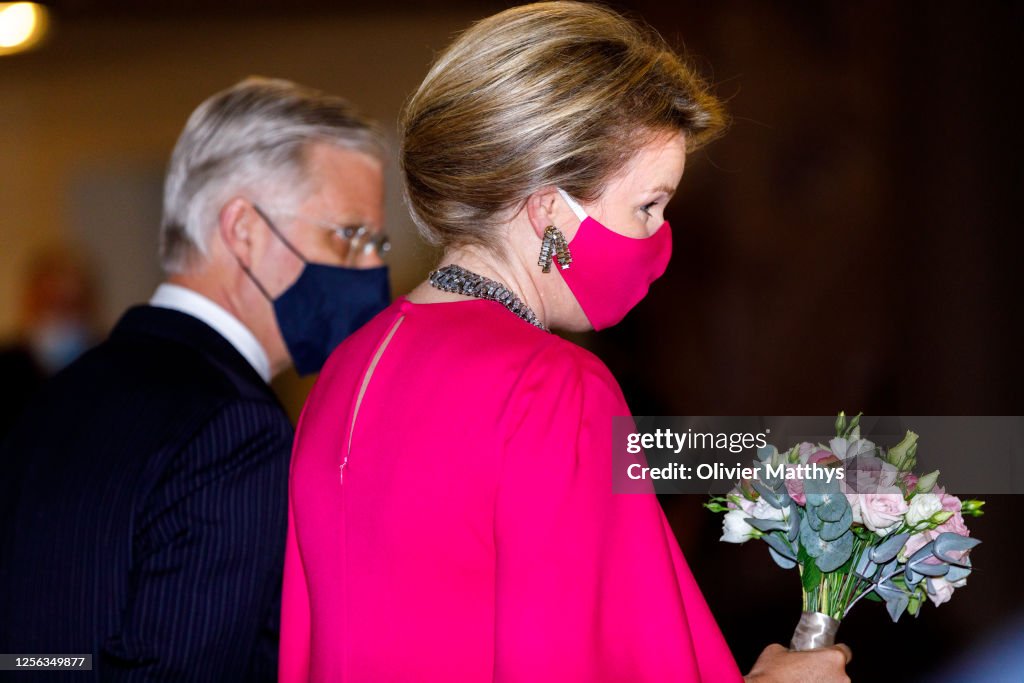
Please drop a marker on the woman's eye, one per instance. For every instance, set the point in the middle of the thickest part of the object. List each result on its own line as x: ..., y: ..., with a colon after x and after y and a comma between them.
x: 646, y: 208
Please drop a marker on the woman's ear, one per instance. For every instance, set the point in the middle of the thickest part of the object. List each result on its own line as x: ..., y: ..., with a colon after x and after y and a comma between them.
x: 547, y: 207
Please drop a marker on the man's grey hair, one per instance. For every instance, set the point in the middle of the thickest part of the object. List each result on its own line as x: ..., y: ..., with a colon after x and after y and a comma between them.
x: 249, y: 140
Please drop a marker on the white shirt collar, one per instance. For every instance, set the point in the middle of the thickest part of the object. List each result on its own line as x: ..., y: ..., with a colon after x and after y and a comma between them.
x: 178, y: 298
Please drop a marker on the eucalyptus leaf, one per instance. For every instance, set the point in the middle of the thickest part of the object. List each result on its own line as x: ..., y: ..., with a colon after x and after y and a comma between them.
x: 769, y: 496
x: 835, y: 553
x: 896, y: 606
x: 810, y: 540
x: 925, y: 551
x: 814, y: 489
x: 779, y: 546
x: 948, y: 542
x: 896, y: 599
x: 912, y: 577
x: 888, y: 590
x: 795, y: 516
x: 865, y: 568
x: 888, y: 570
x: 928, y: 569
x: 832, y: 507
x: 781, y: 560
x: 832, y: 530
x: 812, y: 518
x: 768, y: 525
x: 889, y: 548
x: 957, y: 572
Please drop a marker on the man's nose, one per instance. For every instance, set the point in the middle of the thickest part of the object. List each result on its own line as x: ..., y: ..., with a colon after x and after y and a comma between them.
x: 372, y: 259
x: 366, y: 256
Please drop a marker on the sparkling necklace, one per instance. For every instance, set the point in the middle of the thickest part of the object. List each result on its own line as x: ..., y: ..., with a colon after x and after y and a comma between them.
x: 458, y: 280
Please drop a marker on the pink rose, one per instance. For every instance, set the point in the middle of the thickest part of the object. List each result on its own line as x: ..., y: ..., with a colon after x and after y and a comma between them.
x: 807, y: 449
x: 954, y: 524
x: 916, y: 542
x: 822, y: 456
x: 941, y: 590
x: 951, y: 503
x: 882, y: 510
x: 795, y: 487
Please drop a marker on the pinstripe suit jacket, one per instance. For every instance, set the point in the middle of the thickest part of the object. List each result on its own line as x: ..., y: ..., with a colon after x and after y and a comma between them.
x: 143, y: 510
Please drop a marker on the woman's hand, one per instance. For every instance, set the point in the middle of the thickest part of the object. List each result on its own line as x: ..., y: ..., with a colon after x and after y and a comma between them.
x: 779, y: 665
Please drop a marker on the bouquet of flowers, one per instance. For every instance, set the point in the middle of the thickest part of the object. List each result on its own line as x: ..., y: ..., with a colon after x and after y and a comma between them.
x: 870, y: 528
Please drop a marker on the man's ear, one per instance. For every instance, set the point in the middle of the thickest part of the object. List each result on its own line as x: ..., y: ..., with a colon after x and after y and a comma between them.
x: 547, y: 207
x: 236, y: 227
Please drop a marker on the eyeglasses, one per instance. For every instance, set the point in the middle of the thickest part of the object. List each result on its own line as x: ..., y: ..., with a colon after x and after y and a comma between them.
x: 360, y: 235
x: 359, y: 240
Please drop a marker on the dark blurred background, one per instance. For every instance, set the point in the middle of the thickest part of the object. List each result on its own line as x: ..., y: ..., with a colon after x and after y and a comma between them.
x: 851, y: 244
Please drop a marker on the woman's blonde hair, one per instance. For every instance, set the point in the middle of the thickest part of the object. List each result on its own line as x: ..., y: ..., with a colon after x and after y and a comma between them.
x: 548, y: 94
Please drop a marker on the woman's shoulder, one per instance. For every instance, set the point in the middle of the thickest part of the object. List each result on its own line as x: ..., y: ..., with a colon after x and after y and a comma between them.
x: 570, y: 377
x: 561, y: 356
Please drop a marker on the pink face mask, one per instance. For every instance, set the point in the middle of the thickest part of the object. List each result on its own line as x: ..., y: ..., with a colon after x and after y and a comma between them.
x: 610, y: 273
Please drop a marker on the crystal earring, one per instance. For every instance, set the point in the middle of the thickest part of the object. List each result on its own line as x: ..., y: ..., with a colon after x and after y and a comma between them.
x: 554, y: 247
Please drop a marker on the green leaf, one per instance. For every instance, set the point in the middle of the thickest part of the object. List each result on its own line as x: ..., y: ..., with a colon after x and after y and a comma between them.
x: 916, y: 600
x: 811, y: 575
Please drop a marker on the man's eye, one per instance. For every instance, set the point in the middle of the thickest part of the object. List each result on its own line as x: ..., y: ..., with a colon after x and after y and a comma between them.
x: 350, y: 231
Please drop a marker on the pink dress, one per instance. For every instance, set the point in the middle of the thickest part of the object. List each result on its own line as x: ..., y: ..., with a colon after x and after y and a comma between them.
x: 451, y: 517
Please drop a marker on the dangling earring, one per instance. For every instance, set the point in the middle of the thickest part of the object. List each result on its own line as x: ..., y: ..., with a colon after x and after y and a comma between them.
x: 554, y: 247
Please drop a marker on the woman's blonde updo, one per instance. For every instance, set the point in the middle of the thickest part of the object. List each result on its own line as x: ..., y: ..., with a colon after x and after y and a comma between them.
x: 554, y: 93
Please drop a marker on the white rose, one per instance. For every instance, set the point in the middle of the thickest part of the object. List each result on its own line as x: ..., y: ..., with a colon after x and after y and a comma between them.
x: 762, y: 510
x: 854, y: 500
x: 922, y: 507
x: 735, y: 528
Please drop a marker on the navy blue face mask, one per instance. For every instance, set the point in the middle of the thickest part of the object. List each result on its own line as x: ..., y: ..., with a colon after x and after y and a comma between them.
x: 324, y: 306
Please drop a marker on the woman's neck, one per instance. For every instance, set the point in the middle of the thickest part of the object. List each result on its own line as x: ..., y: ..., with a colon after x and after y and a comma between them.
x: 510, y: 272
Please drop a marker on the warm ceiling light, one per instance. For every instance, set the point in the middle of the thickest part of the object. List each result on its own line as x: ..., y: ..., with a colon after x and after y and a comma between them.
x: 22, y: 25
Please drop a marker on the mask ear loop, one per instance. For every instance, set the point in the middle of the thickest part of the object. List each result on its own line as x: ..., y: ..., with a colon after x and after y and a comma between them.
x: 291, y: 248
x: 573, y: 204
x: 245, y: 269
x: 273, y: 229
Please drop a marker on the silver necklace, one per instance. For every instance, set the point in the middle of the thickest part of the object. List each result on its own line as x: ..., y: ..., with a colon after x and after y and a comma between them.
x: 458, y: 280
